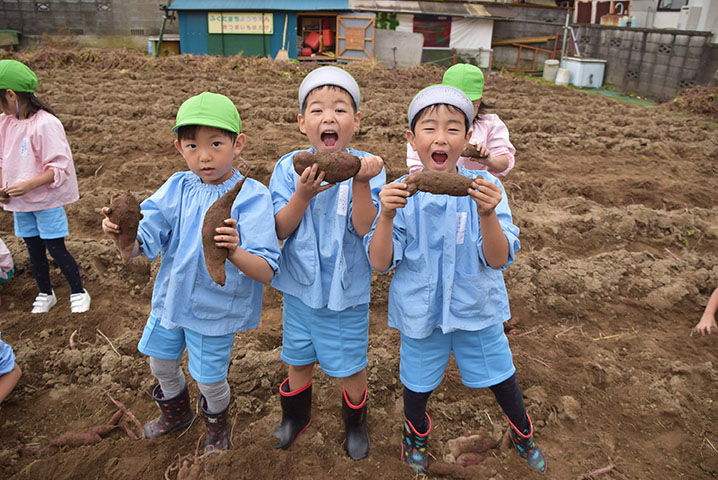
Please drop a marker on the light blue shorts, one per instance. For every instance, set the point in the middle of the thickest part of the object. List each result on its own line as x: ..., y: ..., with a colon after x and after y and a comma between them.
x: 208, y: 356
x: 483, y: 358
x: 46, y: 224
x: 337, y: 340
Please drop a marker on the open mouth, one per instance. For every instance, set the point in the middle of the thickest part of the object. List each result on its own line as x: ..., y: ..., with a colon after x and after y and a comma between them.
x: 329, y: 138
x: 439, y: 158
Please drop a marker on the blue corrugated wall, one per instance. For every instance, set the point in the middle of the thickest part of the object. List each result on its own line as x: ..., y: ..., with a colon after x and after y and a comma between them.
x: 194, y: 36
x: 193, y: 32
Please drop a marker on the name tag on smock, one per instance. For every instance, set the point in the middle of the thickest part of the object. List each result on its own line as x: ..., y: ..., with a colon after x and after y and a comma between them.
x: 343, y: 200
x: 460, y: 227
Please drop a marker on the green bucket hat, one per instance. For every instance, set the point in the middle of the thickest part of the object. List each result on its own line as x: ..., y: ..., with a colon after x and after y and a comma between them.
x: 209, y: 110
x: 17, y: 77
x: 467, y: 78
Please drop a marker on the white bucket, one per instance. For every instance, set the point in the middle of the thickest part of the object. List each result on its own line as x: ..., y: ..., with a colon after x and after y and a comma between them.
x: 550, y: 69
x: 563, y: 76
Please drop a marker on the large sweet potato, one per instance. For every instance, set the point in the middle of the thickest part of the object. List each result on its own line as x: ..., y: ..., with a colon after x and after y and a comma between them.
x: 337, y: 166
x: 440, y: 183
x: 125, y: 212
x: 472, y: 152
x: 218, y: 212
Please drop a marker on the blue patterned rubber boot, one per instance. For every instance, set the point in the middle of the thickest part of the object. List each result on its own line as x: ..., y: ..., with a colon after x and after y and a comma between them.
x: 414, y: 446
x: 526, y: 445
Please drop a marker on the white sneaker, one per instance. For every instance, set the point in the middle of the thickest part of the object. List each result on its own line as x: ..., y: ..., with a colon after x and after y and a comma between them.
x: 80, y: 302
x: 44, y: 302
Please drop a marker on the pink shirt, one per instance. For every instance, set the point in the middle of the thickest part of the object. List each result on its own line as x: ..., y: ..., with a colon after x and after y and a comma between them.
x: 28, y: 148
x: 487, y: 130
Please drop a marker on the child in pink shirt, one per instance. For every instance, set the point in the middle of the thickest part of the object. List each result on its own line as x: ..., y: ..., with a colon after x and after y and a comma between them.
x: 37, y: 178
x: 488, y: 133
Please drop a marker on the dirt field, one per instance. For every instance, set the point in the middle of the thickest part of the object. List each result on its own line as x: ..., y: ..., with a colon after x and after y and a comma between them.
x: 617, y: 210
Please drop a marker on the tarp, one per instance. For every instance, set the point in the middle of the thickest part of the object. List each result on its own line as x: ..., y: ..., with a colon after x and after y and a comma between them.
x: 260, y: 5
x: 471, y: 33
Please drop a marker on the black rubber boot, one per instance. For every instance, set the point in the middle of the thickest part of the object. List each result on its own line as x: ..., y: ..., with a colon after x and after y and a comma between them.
x: 526, y: 445
x: 354, y: 416
x: 219, y: 430
x: 176, y: 413
x: 296, y: 413
x: 414, y: 446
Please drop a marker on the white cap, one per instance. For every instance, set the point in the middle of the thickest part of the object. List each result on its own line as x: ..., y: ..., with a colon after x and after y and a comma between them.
x: 322, y: 76
x: 436, y: 94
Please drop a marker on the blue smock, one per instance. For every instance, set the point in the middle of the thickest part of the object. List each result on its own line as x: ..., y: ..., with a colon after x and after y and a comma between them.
x: 323, y: 261
x: 185, y: 296
x: 442, y: 279
x: 7, y: 358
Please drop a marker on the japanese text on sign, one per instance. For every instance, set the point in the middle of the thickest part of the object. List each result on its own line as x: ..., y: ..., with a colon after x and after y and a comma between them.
x: 241, y: 22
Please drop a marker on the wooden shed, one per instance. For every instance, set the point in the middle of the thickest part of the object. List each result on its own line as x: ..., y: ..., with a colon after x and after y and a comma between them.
x: 323, y: 30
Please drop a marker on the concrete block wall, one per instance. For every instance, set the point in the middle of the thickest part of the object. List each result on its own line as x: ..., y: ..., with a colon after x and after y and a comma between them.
x: 654, y: 63
x: 650, y: 62
x: 398, y: 49
x: 84, y: 17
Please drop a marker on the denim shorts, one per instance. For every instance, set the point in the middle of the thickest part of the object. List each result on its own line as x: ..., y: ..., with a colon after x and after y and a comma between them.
x: 337, y: 340
x: 208, y: 356
x: 483, y: 357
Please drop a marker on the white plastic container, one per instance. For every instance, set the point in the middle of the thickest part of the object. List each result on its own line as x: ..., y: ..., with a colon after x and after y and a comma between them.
x: 550, y: 69
x: 585, y: 72
x: 563, y: 76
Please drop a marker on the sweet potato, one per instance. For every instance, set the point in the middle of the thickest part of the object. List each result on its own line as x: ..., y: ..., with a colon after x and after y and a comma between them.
x: 476, y: 443
x: 337, y: 166
x: 103, y: 430
x: 469, y: 458
x: 3, y: 193
x: 484, y: 470
x: 472, y: 152
x: 218, y: 212
x: 125, y: 212
x: 76, y: 439
x: 440, y: 183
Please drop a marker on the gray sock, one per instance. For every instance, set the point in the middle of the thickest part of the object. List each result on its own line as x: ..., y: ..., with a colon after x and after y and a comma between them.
x: 170, y: 376
x: 217, y: 395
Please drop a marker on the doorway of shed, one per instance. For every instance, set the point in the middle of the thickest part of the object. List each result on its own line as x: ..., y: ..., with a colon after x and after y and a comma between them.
x: 316, y: 37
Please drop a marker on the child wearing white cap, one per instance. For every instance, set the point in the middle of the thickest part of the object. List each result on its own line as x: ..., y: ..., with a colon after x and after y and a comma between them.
x: 37, y: 180
x: 324, y: 273
x: 488, y: 133
x: 190, y: 311
x: 448, y: 293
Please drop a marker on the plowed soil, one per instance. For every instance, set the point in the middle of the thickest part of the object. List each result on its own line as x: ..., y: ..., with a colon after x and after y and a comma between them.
x: 617, y: 209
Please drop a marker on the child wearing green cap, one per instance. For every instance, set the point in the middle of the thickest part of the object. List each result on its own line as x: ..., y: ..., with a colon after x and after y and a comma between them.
x: 189, y: 310
x: 37, y: 180
x: 324, y: 272
x: 447, y: 294
x: 488, y: 133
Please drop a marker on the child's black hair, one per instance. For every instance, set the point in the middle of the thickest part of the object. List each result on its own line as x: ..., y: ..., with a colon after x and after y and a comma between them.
x: 483, y: 107
x: 434, y: 106
x: 33, y: 104
x: 190, y: 132
x: 330, y: 87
